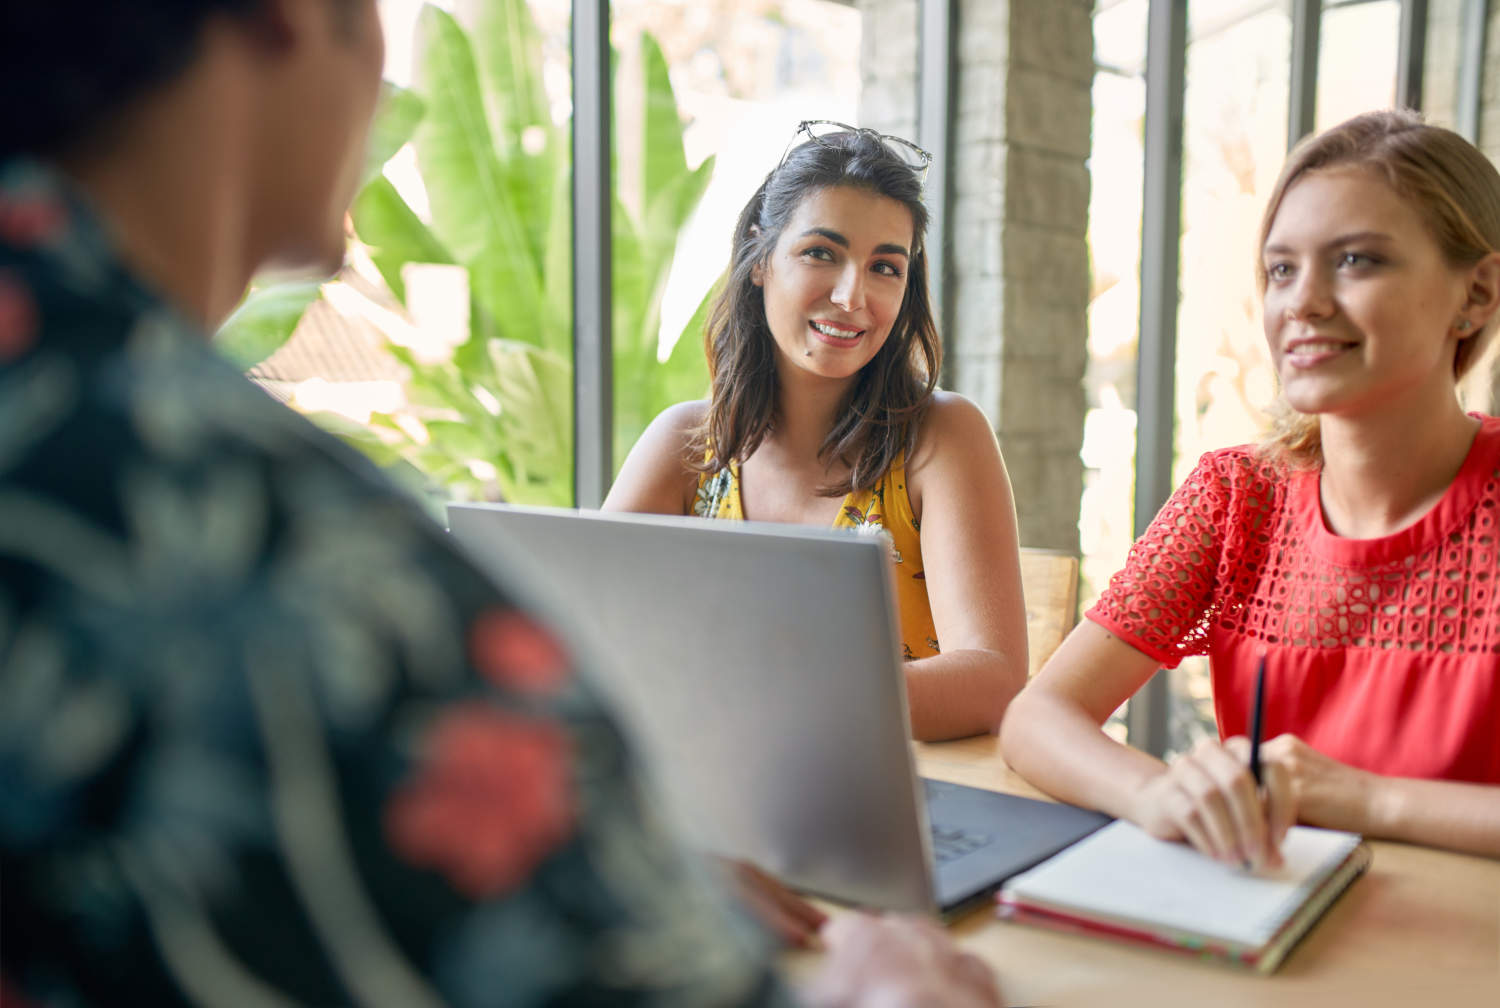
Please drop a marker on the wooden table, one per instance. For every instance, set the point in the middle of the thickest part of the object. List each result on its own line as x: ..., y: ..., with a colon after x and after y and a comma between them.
x: 1420, y: 928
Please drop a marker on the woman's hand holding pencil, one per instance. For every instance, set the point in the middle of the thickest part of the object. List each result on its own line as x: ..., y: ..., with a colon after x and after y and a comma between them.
x: 1207, y: 797
x: 1224, y: 799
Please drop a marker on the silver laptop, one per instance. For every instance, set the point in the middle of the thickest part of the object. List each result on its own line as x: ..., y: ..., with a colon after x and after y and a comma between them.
x: 756, y: 667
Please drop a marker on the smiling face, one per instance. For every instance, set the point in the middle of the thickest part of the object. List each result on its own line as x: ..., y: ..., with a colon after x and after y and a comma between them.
x: 834, y: 283
x: 1361, y: 309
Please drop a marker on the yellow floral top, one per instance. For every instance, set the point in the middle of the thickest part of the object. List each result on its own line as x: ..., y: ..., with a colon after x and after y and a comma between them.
x: 886, y: 507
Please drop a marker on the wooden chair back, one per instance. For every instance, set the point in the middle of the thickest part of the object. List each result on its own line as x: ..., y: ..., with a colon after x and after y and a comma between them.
x: 1049, y: 580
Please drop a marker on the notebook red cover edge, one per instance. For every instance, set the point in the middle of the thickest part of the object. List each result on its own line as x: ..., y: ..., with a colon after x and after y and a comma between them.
x: 1196, y: 948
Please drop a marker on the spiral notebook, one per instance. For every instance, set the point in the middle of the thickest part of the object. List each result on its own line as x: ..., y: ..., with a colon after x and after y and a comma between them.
x: 1122, y: 883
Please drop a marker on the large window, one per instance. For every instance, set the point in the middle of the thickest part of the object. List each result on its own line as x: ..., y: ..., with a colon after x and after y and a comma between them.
x: 1235, y: 108
x: 745, y: 72
x: 492, y: 416
x: 446, y: 348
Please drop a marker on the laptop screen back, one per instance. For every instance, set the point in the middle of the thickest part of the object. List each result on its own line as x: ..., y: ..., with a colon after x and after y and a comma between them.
x: 756, y: 668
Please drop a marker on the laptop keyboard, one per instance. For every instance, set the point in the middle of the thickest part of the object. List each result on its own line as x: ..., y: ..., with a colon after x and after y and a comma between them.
x: 950, y: 844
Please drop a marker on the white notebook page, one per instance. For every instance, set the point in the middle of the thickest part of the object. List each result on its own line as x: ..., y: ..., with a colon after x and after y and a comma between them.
x: 1123, y: 873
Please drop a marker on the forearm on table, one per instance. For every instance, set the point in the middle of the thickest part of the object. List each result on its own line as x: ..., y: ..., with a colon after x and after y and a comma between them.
x: 1057, y: 746
x: 960, y: 692
x: 1451, y: 814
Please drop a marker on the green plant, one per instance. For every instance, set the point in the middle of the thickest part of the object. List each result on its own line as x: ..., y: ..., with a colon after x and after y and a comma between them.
x: 496, y: 417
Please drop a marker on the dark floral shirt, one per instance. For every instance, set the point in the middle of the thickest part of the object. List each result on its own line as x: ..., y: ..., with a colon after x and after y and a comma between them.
x: 266, y: 738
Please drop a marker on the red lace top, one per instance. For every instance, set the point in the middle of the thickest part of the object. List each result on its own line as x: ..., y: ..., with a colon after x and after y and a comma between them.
x: 1383, y: 653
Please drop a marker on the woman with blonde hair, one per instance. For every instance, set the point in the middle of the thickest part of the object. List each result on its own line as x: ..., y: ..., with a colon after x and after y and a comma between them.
x: 1354, y: 554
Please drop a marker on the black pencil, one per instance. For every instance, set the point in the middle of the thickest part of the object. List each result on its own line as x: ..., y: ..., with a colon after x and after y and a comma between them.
x: 1256, y: 713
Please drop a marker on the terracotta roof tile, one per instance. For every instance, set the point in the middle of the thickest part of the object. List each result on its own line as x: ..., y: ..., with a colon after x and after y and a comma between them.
x: 330, y: 346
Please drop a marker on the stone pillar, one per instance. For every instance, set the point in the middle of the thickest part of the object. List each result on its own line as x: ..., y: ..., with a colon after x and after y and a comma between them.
x: 888, y: 66
x: 1018, y: 258
x: 1440, y: 70
x: 1489, y: 92
x: 1489, y: 142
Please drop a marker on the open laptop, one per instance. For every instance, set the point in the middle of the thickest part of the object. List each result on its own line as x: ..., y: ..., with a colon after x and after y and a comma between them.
x: 756, y: 666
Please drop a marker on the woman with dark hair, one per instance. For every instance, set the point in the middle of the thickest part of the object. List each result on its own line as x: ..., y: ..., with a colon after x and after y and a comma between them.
x: 1353, y: 556
x: 266, y: 737
x: 824, y: 358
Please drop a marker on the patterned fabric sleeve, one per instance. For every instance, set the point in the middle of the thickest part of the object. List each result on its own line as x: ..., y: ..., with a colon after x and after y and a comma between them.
x: 1187, y: 567
x: 266, y: 737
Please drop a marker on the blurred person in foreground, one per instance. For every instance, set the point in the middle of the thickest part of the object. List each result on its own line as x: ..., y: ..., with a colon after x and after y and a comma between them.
x: 266, y: 737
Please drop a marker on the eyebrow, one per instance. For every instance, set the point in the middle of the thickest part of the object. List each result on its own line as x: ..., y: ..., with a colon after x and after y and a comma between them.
x: 1351, y: 238
x: 889, y: 248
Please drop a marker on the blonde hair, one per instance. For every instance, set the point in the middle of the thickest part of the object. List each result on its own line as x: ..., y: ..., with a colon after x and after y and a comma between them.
x: 1454, y: 187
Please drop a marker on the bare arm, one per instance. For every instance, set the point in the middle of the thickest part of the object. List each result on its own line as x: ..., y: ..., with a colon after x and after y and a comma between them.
x: 1450, y: 814
x: 655, y: 478
x: 1052, y: 737
x: 971, y: 561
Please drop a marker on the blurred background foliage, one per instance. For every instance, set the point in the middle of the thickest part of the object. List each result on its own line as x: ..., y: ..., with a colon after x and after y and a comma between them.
x: 486, y: 407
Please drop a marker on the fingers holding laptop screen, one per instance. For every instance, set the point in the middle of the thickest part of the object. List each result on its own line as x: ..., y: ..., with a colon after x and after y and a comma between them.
x: 793, y: 920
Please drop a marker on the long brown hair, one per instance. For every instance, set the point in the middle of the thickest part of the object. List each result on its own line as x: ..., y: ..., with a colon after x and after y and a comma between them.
x: 880, y: 416
x: 1450, y: 183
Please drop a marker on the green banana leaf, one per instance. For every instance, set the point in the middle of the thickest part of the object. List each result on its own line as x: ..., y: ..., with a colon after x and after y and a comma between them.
x: 393, y: 234
x: 644, y: 244
x: 473, y: 212
x: 508, y: 52
x: 400, y: 112
x: 264, y: 321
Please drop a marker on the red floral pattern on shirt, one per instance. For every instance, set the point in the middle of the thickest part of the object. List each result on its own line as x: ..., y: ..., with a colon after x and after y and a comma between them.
x: 17, y: 319
x: 27, y: 220
x: 511, y: 650
x: 492, y: 799
x: 10, y: 998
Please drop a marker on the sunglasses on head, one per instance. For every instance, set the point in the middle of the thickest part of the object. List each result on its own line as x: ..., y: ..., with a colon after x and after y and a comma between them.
x: 819, y: 130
